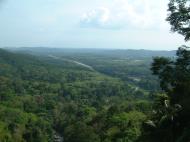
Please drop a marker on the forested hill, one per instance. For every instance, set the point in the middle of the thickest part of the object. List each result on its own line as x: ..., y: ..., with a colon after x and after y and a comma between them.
x: 79, y: 96
x: 42, y: 97
x: 96, y: 95
x: 131, y: 66
x: 15, y: 59
x: 122, y: 53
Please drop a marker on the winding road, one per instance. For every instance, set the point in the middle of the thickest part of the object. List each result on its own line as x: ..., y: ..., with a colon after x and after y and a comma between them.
x: 72, y: 61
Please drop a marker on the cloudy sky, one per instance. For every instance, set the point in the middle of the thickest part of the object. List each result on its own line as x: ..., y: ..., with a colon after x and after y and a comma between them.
x: 131, y: 24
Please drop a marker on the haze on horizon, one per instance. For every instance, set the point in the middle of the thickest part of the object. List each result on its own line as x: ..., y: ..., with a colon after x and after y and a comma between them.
x: 129, y: 24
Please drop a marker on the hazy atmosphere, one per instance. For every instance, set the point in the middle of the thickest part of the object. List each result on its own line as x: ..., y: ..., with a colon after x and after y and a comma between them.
x: 130, y: 24
x: 94, y: 71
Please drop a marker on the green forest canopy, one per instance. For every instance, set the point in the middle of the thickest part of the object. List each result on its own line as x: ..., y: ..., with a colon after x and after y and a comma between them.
x: 44, y: 99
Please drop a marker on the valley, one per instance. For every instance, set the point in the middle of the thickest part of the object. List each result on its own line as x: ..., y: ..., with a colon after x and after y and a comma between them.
x: 72, y: 92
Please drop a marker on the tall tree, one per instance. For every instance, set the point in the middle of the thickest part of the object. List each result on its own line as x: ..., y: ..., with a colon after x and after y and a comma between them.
x: 169, y: 121
x: 179, y: 17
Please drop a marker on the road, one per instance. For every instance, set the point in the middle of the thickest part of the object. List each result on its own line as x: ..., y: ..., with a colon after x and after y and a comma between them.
x: 72, y: 61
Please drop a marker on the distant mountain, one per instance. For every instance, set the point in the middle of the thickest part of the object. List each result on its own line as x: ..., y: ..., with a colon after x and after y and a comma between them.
x: 122, y: 53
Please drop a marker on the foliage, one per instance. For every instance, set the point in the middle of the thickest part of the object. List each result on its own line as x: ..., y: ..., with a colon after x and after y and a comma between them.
x: 179, y: 17
x: 170, y: 120
x: 41, y: 98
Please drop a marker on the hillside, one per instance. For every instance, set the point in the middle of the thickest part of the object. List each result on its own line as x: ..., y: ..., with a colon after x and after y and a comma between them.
x: 131, y: 66
x: 42, y: 98
x: 94, y: 71
x: 119, y: 53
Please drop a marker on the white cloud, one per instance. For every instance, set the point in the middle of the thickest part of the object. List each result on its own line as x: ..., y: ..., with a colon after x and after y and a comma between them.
x: 99, y: 17
x: 140, y: 14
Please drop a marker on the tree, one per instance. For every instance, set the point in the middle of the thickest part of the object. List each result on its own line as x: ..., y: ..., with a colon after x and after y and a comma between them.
x: 169, y: 121
x: 179, y: 17
x: 80, y: 132
x: 162, y: 124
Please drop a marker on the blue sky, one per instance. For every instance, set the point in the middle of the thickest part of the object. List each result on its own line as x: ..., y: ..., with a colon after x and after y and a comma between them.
x: 131, y: 24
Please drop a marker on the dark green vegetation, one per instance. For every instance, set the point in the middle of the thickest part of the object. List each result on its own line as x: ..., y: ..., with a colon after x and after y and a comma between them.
x: 47, y: 95
x: 98, y: 95
x: 79, y: 95
x: 94, y: 96
x: 169, y: 121
x: 179, y: 17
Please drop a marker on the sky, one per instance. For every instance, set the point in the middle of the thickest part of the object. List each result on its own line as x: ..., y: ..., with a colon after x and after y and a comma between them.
x: 121, y: 24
